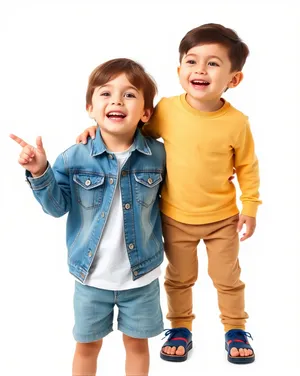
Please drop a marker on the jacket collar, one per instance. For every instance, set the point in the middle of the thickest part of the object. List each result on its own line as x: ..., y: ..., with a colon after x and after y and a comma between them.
x: 139, y: 143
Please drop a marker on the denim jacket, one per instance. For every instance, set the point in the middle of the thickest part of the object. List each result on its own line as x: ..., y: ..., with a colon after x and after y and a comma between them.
x: 82, y: 182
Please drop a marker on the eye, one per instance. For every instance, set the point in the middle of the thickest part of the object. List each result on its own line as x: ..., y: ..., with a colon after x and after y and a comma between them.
x: 191, y: 62
x: 213, y: 64
x: 129, y: 95
x: 105, y: 94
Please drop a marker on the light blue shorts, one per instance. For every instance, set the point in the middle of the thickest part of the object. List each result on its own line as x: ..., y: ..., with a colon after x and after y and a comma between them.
x: 139, y: 314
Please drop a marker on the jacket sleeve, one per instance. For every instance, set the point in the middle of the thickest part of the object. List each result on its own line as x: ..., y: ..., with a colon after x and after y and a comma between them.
x: 52, y: 189
x: 247, y: 170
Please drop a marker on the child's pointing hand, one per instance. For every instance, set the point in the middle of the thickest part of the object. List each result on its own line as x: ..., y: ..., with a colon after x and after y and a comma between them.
x: 34, y: 159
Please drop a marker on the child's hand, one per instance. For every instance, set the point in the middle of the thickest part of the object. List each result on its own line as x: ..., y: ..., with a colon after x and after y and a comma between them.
x: 31, y: 158
x: 89, y: 132
x: 232, y: 176
x: 250, y: 223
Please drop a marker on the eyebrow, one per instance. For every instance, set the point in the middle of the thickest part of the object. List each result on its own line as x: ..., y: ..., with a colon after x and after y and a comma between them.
x: 124, y: 88
x: 209, y: 57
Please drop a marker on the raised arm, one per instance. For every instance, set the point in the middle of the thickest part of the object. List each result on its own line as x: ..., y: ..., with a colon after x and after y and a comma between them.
x: 50, y: 186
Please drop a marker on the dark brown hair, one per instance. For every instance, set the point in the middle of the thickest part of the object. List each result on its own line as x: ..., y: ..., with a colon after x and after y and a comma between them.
x: 134, y: 72
x: 215, y: 33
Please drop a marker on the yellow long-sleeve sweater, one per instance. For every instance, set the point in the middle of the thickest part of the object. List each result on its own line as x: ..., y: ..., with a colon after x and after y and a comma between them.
x: 202, y: 148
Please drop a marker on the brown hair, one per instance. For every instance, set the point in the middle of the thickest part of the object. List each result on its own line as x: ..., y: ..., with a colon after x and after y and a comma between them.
x: 215, y: 33
x: 134, y: 72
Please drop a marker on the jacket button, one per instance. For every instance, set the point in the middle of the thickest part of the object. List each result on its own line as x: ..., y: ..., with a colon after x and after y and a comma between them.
x: 124, y: 173
x: 110, y: 156
x: 131, y: 246
x: 111, y: 181
x: 82, y: 275
x: 90, y: 254
x: 135, y: 273
x: 102, y: 214
x: 127, y: 206
x: 150, y: 181
x: 87, y: 182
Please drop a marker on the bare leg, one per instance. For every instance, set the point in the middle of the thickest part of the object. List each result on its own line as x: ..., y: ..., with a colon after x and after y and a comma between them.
x: 85, y: 358
x: 137, y: 356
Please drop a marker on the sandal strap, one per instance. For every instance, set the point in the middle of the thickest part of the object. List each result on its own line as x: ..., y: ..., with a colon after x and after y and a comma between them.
x: 238, y: 338
x: 177, y: 337
x: 176, y: 342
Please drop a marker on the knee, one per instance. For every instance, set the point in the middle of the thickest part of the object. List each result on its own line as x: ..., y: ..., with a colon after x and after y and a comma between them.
x: 136, y: 345
x: 224, y: 271
x: 181, y: 281
x: 90, y: 349
x: 226, y: 279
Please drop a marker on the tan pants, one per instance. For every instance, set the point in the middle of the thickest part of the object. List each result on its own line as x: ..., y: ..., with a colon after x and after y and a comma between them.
x: 222, y: 245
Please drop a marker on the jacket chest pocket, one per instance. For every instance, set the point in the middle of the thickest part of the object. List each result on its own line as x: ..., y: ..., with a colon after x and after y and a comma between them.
x: 146, y: 187
x: 89, y: 189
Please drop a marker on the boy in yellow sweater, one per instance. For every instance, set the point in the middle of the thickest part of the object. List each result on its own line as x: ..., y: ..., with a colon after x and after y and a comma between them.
x: 205, y: 138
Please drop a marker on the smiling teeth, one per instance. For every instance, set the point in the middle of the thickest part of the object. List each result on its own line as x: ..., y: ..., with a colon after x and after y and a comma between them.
x: 116, y: 114
x: 199, y: 82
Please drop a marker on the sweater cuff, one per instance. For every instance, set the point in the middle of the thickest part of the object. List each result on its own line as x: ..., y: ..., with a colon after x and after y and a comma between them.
x: 250, y: 208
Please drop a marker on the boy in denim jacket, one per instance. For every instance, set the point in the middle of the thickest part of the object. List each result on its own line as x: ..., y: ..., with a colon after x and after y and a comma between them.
x: 205, y: 138
x: 110, y: 190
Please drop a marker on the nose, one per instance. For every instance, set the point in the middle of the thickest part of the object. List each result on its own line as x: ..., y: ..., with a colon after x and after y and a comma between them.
x: 200, y: 68
x: 116, y: 101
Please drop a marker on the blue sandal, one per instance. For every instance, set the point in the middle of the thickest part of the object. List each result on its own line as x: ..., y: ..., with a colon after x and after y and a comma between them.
x: 238, y: 338
x: 177, y: 337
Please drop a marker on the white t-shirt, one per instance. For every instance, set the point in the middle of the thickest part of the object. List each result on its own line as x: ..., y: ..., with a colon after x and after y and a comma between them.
x: 110, y: 269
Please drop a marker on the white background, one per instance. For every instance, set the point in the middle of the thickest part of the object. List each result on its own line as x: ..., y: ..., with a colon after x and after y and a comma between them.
x: 48, y: 49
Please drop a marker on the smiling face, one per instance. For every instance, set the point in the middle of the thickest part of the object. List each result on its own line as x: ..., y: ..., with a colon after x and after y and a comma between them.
x: 205, y: 73
x: 117, y: 107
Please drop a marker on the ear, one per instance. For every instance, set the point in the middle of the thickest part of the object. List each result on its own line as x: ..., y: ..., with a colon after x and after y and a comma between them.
x: 89, y: 109
x: 178, y: 71
x: 236, y: 80
x: 146, y: 115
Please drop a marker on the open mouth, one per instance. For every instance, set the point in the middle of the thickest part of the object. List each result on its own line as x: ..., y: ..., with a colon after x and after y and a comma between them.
x: 200, y: 83
x: 116, y: 115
